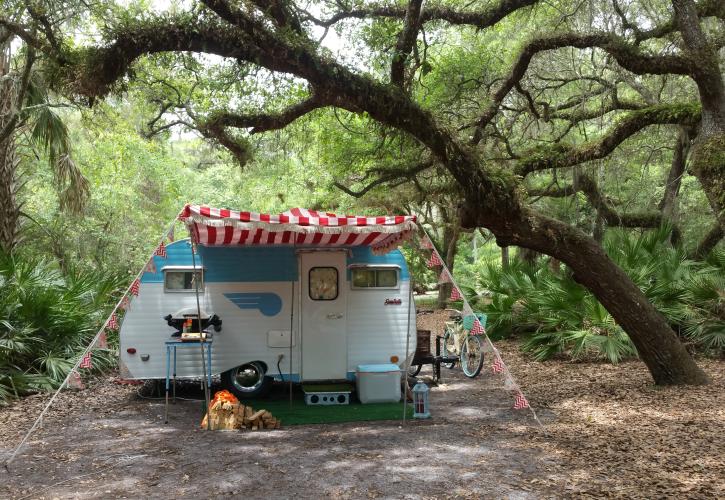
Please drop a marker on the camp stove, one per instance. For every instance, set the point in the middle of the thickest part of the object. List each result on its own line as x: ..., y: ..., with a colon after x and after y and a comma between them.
x: 186, y: 323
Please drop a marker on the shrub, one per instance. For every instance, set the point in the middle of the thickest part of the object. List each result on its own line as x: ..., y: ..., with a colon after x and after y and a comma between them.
x: 46, y: 321
x: 558, y: 316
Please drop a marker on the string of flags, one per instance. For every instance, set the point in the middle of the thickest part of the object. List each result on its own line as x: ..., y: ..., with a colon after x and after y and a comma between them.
x: 498, y: 366
x: 74, y: 379
x: 100, y: 341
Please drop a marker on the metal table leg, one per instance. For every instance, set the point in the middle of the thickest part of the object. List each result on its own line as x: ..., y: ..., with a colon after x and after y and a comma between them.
x: 208, y: 364
x: 168, y: 367
x: 174, y: 396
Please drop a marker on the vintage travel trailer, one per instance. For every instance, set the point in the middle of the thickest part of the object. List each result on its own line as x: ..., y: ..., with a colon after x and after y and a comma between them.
x: 300, y: 296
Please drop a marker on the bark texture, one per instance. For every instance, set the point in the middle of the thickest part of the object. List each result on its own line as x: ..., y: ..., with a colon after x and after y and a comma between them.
x: 9, y: 209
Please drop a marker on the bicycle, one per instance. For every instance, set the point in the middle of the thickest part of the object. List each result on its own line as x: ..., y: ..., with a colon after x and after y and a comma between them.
x: 457, y: 341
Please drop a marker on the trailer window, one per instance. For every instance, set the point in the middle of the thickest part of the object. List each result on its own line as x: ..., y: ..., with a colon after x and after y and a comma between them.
x: 182, y: 280
x: 374, y: 278
x: 323, y: 283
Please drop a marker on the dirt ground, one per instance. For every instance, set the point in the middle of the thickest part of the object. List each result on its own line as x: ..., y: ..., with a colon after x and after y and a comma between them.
x: 608, y: 432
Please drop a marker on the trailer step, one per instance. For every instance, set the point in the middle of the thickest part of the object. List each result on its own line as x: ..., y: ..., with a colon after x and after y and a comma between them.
x: 315, y: 396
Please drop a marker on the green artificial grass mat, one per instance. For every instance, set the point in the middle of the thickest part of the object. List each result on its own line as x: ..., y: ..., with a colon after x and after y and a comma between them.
x: 298, y: 413
x: 327, y: 387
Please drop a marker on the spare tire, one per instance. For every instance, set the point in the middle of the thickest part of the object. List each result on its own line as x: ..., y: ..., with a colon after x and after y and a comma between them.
x: 247, y: 381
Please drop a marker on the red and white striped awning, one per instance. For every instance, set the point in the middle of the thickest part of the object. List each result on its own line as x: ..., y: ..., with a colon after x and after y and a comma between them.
x: 298, y: 226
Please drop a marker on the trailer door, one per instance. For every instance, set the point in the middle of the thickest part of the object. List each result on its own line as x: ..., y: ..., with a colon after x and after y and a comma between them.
x: 323, y: 307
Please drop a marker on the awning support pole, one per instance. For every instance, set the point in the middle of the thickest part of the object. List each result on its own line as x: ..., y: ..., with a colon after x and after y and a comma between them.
x: 407, y: 355
x: 202, y: 340
x: 291, y: 337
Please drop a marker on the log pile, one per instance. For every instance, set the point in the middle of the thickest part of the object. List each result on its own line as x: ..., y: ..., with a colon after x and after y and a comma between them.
x: 226, y: 412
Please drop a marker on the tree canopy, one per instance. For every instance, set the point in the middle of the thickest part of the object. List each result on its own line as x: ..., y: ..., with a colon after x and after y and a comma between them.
x: 506, y: 113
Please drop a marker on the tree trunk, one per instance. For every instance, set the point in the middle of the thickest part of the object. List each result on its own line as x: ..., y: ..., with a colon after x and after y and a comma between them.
x: 9, y: 209
x: 657, y: 344
x: 451, y: 234
x: 708, y: 151
x: 505, y: 257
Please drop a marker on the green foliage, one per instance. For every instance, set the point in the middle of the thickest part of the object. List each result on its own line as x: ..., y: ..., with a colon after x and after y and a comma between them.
x: 46, y: 321
x: 558, y: 316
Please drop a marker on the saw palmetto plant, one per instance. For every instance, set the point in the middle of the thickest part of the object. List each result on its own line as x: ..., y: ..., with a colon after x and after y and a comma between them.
x: 559, y: 317
x: 46, y: 321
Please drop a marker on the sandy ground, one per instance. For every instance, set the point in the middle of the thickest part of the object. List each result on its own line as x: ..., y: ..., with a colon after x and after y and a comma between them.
x: 607, y: 432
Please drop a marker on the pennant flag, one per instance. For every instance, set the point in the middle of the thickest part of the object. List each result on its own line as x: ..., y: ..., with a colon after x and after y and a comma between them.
x: 135, y: 287
x: 426, y: 243
x: 456, y: 295
x: 170, y: 234
x: 477, y: 328
x: 445, y: 277
x: 520, y: 402
x: 75, y: 381
x: 112, y: 322
x: 497, y: 366
x: 150, y: 266
x: 509, y: 384
x: 161, y: 250
x: 102, y: 342
x: 434, y: 260
x: 86, y: 362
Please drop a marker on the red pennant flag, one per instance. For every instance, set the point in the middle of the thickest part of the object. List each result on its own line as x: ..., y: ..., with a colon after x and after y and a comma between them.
x: 477, y: 328
x: 170, y: 234
x: 520, y: 402
x: 497, y: 366
x: 445, y: 277
x: 456, y: 295
x: 125, y: 303
x: 112, y: 322
x: 426, y: 243
x: 434, y: 260
x: 75, y: 381
x: 150, y: 266
x: 161, y: 250
x: 86, y: 362
x: 135, y: 287
x: 102, y: 342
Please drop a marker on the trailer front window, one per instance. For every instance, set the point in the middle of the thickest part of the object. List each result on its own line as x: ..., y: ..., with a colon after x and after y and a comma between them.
x: 182, y: 280
x: 366, y: 277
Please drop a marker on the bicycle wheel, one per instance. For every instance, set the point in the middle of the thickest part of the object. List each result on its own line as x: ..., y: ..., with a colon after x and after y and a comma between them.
x: 448, y: 348
x: 471, y: 356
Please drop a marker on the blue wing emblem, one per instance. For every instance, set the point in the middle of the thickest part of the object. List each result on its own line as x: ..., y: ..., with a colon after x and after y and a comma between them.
x: 269, y: 304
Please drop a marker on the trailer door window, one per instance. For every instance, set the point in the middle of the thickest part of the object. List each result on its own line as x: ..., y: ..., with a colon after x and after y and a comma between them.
x: 182, y: 280
x: 323, y: 283
x: 365, y: 277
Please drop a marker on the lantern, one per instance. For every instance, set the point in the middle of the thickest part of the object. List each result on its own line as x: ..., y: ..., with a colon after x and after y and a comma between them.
x: 420, y: 401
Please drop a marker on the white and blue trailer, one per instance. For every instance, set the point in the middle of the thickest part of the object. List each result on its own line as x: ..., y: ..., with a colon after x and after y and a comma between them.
x: 301, y: 307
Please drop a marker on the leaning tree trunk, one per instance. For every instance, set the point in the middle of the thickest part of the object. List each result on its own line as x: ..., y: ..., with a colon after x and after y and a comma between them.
x: 450, y: 244
x: 656, y: 342
x: 9, y: 210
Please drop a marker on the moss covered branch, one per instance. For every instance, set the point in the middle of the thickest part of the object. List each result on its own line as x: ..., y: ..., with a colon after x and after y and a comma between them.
x: 562, y: 155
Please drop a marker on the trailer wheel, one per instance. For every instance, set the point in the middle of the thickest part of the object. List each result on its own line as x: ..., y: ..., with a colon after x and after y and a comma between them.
x: 247, y: 381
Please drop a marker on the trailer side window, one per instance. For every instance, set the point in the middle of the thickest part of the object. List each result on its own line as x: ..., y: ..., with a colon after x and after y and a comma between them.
x: 182, y: 280
x: 374, y: 278
x: 323, y: 283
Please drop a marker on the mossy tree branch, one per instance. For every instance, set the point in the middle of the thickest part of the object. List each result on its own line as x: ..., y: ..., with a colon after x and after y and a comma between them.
x: 562, y: 155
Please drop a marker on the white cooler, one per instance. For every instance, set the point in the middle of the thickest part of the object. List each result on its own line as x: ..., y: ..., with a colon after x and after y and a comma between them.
x: 378, y: 383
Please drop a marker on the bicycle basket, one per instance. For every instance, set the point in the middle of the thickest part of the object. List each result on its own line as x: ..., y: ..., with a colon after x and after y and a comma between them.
x: 468, y: 320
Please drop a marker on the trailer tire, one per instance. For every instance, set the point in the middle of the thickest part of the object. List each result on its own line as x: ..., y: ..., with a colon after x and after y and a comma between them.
x: 248, y: 380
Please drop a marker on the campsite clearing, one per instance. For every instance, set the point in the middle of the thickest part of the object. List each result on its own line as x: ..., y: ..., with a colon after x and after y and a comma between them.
x: 610, y: 433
